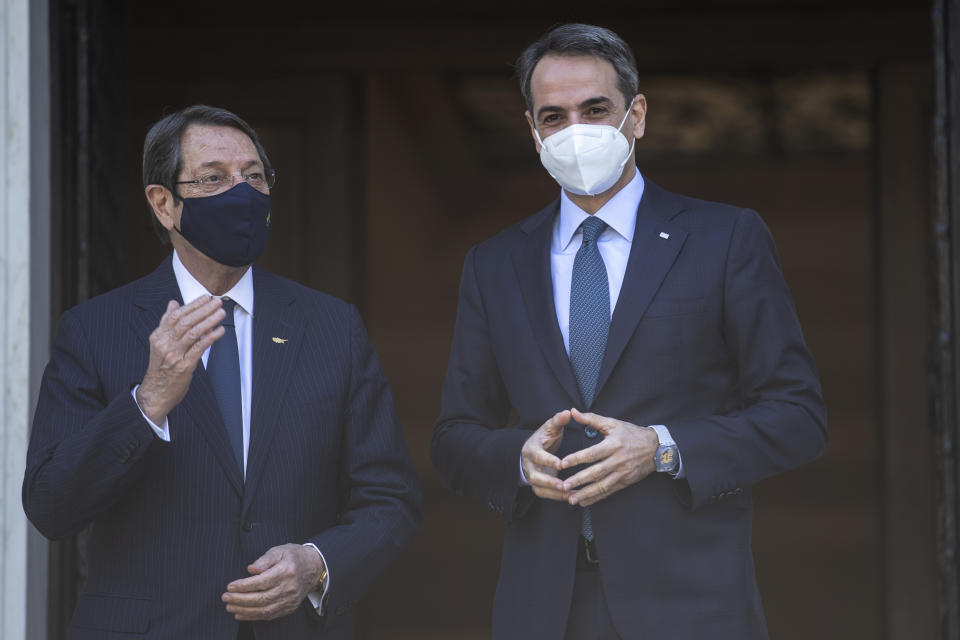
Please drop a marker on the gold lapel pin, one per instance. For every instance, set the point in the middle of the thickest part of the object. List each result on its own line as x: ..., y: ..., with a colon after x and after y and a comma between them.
x: 279, y: 340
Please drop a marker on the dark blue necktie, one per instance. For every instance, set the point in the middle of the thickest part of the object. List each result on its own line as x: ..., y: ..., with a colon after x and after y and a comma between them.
x: 589, y: 322
x: 223, y: 367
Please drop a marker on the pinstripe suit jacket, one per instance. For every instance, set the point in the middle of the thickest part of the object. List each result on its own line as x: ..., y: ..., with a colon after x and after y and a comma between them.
x: 173, y: 523
x: 705, y: 340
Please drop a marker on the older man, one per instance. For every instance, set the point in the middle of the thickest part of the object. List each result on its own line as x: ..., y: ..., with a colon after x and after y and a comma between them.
x: 648, y: 351
x: 227, y: 434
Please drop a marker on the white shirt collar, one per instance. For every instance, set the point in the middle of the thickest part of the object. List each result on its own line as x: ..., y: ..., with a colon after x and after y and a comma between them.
x: 191, y: 289
x: 620, y: 212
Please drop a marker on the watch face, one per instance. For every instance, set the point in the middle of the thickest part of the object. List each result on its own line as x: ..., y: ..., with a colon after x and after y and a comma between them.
x: 666, y: 459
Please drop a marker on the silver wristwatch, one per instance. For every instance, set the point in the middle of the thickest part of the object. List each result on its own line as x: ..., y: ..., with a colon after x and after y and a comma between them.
x: 667, y: 457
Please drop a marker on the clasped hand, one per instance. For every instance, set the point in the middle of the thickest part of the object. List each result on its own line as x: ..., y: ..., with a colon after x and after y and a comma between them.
x: 622, y: 458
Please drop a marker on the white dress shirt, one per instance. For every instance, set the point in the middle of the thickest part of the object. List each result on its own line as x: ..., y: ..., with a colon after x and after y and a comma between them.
x: 242, y: 294
x: 620, y: 215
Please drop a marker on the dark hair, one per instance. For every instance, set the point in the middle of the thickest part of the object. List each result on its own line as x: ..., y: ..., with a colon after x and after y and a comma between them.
x: 581, y: 40
x: 161, y: 148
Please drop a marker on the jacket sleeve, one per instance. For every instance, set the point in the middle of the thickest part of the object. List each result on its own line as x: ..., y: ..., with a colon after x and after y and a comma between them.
x: 379, y: 489
x: 85, y: 449
x: 473, y: 452
x: 780, y: 422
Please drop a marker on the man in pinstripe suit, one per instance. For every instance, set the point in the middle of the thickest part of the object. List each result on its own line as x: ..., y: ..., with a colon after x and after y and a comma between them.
x: 227, y: 434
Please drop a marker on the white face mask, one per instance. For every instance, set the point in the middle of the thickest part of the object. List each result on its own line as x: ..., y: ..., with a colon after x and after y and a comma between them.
x: 586, y: 159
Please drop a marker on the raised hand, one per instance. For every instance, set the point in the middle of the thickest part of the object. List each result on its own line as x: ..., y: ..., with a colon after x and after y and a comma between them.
x: 176, y: 346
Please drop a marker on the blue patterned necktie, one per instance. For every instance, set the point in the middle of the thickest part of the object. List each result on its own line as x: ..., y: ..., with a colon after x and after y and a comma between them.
x: 589, y: 322
x: 223, y: 367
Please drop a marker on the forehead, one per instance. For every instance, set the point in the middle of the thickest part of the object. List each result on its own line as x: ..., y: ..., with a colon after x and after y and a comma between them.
x: 214, y: 144
x: 565, y: 81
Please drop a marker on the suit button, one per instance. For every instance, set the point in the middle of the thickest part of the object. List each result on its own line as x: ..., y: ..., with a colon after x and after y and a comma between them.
x: 129, y: 451
x: 247, y: 526
x: 590, y: 432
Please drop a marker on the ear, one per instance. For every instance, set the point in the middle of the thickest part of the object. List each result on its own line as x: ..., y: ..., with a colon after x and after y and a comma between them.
x: 533, y: 130
x: 639, y: 112
x: 161, y: 201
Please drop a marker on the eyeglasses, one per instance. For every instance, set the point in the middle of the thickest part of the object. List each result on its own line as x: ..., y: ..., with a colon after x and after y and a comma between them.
x: 216, y: 182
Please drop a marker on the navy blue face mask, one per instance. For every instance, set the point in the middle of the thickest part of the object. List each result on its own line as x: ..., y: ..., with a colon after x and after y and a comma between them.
x: 231, y: 227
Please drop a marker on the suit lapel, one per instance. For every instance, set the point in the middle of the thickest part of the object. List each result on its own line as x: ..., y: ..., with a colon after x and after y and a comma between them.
x: 651, y: 257
x: 273, y: 363
x: 532, y: 263
x: 151, y: 298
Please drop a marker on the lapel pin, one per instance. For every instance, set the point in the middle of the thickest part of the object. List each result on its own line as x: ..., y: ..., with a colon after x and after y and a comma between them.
x: 664, y: 235
x: 279, y: 340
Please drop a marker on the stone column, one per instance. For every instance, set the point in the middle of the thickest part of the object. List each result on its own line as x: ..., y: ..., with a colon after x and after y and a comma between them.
x: 24, y: 299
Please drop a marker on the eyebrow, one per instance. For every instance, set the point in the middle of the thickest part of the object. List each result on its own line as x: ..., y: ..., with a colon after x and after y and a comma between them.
x: 589, y: 102
x: 219, y: 163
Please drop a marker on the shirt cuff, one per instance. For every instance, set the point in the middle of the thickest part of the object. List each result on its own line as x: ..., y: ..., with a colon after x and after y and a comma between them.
x: 523, y: 477
x: 163, y: 431
x: 318, y: 598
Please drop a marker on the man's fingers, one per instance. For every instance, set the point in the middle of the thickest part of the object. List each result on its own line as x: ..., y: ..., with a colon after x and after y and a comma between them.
x: 603, y: 424
x: 250, y: 615
x: 270, y: 612
x: 167, y: 319
x: 550, y: 494
x: 192, y: 317
x: 543, y: 458
x: 251, y: 599
x: 539, y: 479
x: 594, y: 493
x: 258, y: 583
x: 598, y: 490
x: 169, y: 316
x: 597, y: 452
x: 193, y: 353
x: 175, y: 311
x: 270, y: 558
x: 583, y: 417
x: 245, y: 599
x: 594, y: 473
x: 272, y: 608
x: 585, y: 500
x: 262, y: 580
x: 202, y: 327
x: 554, y: 426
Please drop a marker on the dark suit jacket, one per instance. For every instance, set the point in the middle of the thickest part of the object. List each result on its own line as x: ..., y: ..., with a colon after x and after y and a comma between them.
x: 705, y: 340
x: 172, y: 524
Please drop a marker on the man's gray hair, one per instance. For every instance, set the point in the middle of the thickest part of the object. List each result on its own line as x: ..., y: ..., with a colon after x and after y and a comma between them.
x: 581, y: 40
